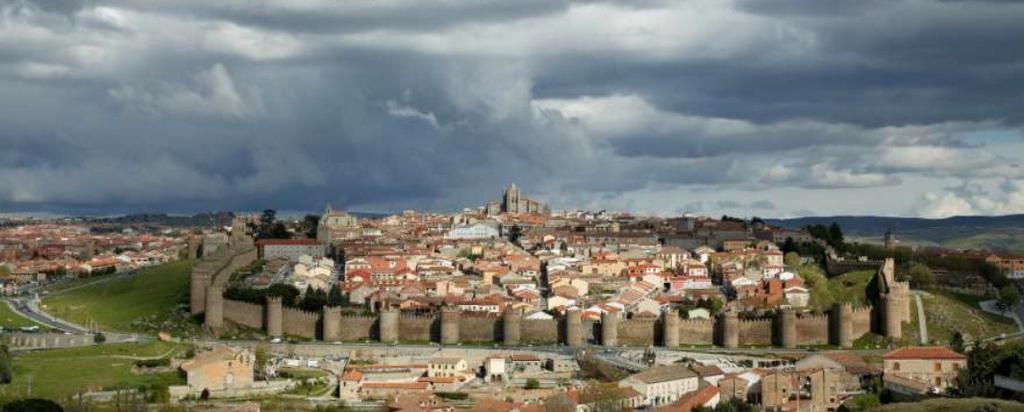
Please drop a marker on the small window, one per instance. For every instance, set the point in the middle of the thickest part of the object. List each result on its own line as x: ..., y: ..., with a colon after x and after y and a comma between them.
x: 938, y: 367
x: 956, y: 366
x: 896, y: 366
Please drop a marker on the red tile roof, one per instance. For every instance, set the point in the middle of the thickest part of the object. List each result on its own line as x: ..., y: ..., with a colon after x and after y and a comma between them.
x: 923, y: 352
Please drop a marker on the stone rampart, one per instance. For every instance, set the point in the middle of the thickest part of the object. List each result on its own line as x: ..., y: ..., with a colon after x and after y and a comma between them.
x: 357, y: 328
x: 479, y: 328
x: 638, y: 332
x: 812, y: 329
x: 244, y: 313
x: 539, y: 331
x: 696, y: 331
x: 416, y: 328
x: 755, y: 331
x: 297, y: 322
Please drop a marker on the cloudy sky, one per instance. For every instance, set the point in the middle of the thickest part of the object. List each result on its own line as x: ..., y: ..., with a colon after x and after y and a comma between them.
x: 746, y: 107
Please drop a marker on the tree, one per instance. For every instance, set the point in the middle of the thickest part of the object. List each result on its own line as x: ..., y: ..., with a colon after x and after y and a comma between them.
x: 713, y: 305
x: 514, y: 233
x: 862, y: 402
x: 32, y: 405
x: 335, y: 297
x: 6, y: 370
x: 204, y: 395
x: 835, y: 235
x: 602, y: 397
x: 99, y: 338
x: 792, y: 259
x: 260, y: 363
x: 957, y: 342
x: 920, y: 276
x: 270, y: 228
x: 1008, y: 296
x: 310, y: 224
x: 559, y: 403
x: 532, y: 384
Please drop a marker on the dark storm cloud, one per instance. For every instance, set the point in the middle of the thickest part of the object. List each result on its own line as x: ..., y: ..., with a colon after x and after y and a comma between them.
x: 192, y: 105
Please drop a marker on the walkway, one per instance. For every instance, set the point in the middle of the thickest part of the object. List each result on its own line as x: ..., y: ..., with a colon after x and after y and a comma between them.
x: 922, y: 323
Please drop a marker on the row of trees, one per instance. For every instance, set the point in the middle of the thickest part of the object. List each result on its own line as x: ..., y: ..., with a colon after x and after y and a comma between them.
x: 312, y: 300
x: 269, y: 227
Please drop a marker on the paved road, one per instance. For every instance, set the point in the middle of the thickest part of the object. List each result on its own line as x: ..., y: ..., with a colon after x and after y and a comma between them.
x: 922, y: 322
x: 29, y: 308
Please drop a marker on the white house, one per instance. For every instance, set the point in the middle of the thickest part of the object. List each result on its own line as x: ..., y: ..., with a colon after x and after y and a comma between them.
x: 662, y: 385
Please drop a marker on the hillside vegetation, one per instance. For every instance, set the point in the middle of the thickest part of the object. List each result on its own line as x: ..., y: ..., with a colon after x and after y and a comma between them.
x: 145, y: 302
x: 954, y: 405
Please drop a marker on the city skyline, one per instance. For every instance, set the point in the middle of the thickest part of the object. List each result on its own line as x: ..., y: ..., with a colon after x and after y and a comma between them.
x: 767, y: 108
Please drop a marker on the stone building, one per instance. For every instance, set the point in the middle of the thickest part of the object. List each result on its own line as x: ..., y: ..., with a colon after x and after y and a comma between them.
x: 513, y: 202
x: 223, y: 368
x: 934, y: 366
x: 336, y: 225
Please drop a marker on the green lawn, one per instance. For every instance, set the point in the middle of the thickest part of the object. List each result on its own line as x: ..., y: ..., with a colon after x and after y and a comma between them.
x: 851, y: 286
x: 60, y: 373
x: 9, y: 319
x: 141, y: 303
x: 947, y: 313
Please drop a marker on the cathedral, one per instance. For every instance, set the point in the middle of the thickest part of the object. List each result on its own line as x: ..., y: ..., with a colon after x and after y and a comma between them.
x: 513, y: 202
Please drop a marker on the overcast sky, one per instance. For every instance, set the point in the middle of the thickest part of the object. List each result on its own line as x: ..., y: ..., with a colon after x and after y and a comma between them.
x: 746, y: 107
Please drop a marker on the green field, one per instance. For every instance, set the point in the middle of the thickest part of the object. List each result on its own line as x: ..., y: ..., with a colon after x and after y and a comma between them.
x: 60, y: 373
x: 9, y: 319
x: 954, y: 405
x: 948, y: 313
x: 141, y: 303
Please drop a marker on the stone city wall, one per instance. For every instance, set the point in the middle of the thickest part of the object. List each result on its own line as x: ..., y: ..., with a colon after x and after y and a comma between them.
x: 638, y: 332
x: 244, y: 313
x: 696, y: 331
x: 297, y: 322
x: 540, y: 331
x: 862, y: 321
x: 478, y: 328
x: 358, y: 328
x: 417, y: 328
x: 756, y: 331
x: 812, y: 329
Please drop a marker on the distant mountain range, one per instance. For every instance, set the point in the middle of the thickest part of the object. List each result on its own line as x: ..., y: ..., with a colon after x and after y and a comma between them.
x: 961, y: 232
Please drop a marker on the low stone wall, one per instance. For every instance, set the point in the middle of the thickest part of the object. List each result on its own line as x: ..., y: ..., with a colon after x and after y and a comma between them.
x: 180, y: 392
x: 30, y: 341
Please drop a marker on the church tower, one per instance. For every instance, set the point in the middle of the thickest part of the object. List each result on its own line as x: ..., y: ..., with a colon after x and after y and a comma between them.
x: 511, y: 199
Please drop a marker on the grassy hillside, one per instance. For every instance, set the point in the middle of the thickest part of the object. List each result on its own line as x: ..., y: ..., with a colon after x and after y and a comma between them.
x: 9, y: 319
x: 948, y: 313
x: 954, y: 405
x: 142, y: 303
x: 60, y: 373
x: 851, y: 286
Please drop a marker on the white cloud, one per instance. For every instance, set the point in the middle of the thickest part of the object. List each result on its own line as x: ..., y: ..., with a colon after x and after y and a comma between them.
x: 214, y: 93
x: 401, y: 111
